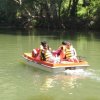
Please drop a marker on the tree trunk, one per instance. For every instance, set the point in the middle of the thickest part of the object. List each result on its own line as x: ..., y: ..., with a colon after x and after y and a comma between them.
x: 69, y: 6
x: 73, y: 11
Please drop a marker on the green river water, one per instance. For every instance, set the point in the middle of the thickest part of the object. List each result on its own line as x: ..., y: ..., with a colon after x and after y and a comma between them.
x: 19, y: 81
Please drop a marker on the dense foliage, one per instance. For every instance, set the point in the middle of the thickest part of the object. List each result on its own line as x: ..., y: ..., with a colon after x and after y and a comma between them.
x: 66, y: 14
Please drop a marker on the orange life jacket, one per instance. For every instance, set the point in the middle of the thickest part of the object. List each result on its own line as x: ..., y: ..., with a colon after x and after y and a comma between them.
x: 63, y: 52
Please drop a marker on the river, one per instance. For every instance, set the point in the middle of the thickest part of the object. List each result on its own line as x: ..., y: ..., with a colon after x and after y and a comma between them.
x: 19, y: 81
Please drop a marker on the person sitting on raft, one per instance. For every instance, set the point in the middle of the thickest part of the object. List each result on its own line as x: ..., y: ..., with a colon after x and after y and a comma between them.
x: 61, y: 50
x: 43, y: 47
x: 70, y: 53
x: 67, y: 52
x: 46, y: 55
x: 36, y: 52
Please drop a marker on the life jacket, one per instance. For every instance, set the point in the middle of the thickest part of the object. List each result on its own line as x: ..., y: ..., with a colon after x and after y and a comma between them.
x: 62, y: 52
x: 48, y: 54
x: 68, y: 53
x: 63, y: 47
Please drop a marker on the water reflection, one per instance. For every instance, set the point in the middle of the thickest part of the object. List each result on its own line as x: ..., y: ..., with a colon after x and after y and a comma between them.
x: 61, y: 81
x: 47, y: 84
x: 67, y: 80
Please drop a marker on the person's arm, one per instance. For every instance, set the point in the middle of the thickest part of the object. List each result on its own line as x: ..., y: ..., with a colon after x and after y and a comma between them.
x: 41, y: 47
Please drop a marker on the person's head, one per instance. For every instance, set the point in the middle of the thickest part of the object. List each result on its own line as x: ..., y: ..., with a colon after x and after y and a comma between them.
x: 68, y: 44
x: 64, y: 42
x: 43, y: 43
